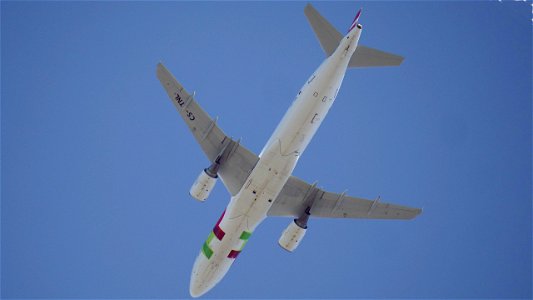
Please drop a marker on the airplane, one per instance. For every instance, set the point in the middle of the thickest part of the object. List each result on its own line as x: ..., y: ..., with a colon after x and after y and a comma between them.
x: 262, y: 185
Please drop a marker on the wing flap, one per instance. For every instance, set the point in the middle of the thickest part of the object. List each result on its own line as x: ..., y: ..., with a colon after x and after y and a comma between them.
x: 236, y: 169
x: 291, y: 199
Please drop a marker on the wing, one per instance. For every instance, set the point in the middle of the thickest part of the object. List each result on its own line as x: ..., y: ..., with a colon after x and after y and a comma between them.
x: 211, y: 138
x: 297, y: 195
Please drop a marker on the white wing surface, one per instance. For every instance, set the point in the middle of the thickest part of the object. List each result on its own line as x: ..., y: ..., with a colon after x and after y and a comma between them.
x: 211, y: 138
x: 297, y: 195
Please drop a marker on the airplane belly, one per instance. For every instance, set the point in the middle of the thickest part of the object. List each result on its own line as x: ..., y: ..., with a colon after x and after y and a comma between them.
x: 305, y: 115
x: 244, y: 213
x: 249, y: 207
x: 255, y: 182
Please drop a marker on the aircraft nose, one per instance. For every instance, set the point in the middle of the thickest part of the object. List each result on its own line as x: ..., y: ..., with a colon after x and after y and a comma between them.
x: 206, y: 273
x: 196, y: 290
x: 199, y: 284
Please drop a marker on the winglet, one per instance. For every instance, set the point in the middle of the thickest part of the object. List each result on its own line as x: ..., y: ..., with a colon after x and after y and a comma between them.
x: 355, y: 20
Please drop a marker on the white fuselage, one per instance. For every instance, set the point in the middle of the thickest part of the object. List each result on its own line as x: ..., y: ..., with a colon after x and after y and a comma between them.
x: 248, y: 208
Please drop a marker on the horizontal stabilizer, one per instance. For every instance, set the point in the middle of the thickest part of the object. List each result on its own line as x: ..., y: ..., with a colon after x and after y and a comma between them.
x: 327, y: 35
x: 369, y: 57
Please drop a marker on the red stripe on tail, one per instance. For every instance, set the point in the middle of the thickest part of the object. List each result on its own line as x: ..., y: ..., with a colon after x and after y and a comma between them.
x: 354, y: 23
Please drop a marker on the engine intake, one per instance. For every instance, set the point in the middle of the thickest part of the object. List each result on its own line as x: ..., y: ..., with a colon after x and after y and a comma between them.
x: 295, y: 232
x: 205, y: 182
x: 203, y: 185
x: 292, y: 236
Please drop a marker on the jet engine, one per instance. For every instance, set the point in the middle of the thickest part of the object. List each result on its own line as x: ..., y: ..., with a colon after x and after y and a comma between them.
x: 203, y: 185
x: 292, y: 236
x: 205, y: 182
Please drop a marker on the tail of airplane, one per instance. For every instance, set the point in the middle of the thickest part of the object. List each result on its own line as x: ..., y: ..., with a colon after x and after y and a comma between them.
x: 329, y: 39
x: 355, y: 20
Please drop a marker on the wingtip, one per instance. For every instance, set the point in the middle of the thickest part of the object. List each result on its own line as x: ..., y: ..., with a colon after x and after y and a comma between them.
x: 309, y: 9
x: 420, y: 210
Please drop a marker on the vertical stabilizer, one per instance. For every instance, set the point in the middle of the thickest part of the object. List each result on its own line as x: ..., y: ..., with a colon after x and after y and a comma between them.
x: 355, y: 20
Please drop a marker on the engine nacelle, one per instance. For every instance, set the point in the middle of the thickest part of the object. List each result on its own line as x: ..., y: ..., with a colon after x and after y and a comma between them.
x: 292, y: 236
x: 203, y: 185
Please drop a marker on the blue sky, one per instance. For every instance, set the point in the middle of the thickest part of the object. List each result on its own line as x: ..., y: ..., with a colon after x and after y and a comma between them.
x: 97, y: 164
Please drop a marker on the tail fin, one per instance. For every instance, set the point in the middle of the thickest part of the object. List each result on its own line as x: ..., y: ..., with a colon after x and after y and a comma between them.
x: 329, y: 39
x: 354, y: 23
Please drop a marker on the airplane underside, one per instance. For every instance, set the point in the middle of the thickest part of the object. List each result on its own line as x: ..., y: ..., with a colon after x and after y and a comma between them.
x: 263, y: 185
